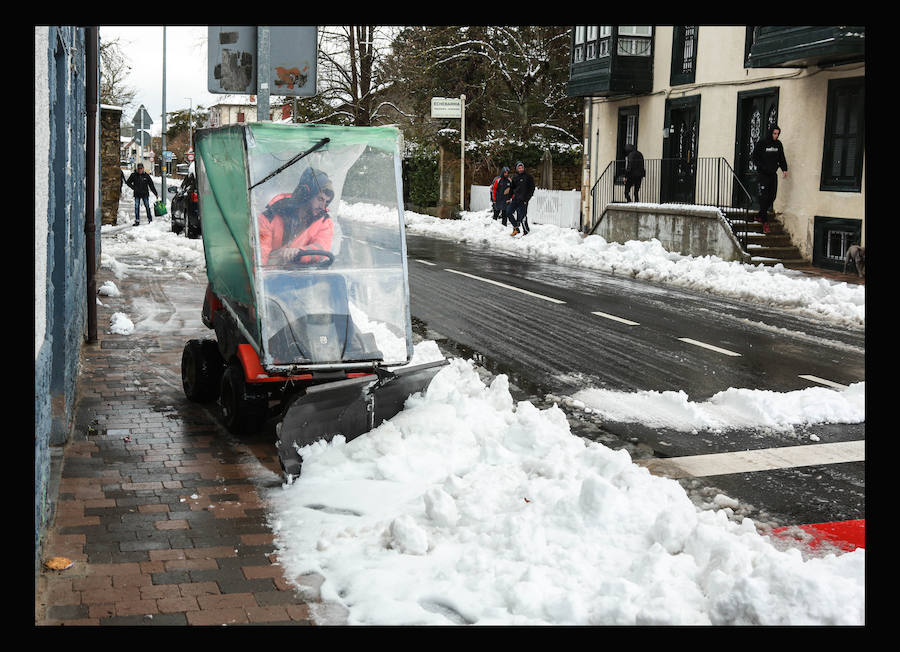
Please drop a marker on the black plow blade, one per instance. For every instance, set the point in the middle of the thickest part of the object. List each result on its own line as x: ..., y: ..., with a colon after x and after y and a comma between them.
x: 347, y: 407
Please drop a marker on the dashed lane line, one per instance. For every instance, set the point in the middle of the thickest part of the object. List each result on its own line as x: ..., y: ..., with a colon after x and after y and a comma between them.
x: 823, y: 381
x: 504, y: 285
x: 766, y: 459
x: 425, y: 262
x: 614, y: 318
x: 709, y: 346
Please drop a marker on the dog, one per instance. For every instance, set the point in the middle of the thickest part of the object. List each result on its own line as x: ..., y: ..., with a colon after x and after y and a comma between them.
x: 858, y: 255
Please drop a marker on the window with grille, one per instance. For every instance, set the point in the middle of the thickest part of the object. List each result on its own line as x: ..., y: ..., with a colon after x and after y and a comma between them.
x: 634, y: 40
x: 684, y: 54
x: 842, y: 154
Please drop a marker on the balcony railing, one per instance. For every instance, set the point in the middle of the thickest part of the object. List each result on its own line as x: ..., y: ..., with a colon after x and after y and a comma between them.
x: 700, y: 182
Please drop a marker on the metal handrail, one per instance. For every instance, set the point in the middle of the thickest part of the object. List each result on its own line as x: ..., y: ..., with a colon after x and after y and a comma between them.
x: 709, y: 181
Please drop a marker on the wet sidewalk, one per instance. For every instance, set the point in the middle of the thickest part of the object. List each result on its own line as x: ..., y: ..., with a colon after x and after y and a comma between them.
x: 160, y: 509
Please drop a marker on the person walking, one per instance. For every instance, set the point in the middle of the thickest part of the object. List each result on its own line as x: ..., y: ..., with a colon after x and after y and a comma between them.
x: 521, y: 191
x: 768, y: 156
x: 142, y: 185
x: 634, y: 172
x: 500, y: 195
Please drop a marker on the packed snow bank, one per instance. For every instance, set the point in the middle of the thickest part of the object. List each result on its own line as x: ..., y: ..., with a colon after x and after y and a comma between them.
x: 835, y: 302
x: 729, y: 409
x: 468, y: 508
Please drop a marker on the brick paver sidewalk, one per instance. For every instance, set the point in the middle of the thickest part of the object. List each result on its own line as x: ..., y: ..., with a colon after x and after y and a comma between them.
x: 161, y: 510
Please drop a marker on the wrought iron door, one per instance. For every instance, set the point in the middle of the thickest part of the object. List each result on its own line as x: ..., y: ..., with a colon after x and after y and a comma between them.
x: 679, y: 168
x: 757, y: 113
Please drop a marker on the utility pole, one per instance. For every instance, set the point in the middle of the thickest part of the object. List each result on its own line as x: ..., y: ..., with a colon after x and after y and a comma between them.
x: 165, y: 125
x: 262, y: 73
x: 190, y: 123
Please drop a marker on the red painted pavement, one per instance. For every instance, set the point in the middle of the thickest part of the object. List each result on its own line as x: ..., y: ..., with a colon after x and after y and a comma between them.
x: 846, y: 535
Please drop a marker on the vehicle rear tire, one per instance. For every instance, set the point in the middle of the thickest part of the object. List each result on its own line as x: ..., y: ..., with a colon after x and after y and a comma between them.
x: 201, y: 370
x: 244, y: 408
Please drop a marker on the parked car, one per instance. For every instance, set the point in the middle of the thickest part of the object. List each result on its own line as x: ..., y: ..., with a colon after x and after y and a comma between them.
x: 186, y: 207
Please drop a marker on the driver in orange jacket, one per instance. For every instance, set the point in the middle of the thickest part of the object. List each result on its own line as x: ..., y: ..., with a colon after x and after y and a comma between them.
x: 297, y: 221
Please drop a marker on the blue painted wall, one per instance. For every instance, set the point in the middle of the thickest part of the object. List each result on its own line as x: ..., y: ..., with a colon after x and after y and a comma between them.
x: 57, y: 359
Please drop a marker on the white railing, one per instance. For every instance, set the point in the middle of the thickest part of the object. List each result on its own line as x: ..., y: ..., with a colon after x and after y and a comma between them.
x: 558, y: 207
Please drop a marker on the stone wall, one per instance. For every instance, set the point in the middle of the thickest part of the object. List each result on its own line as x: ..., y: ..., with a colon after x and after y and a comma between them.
x: 110, y: 170
x: 692, y: 231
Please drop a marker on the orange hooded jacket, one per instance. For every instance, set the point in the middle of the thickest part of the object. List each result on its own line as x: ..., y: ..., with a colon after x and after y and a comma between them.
x: 317, y: 235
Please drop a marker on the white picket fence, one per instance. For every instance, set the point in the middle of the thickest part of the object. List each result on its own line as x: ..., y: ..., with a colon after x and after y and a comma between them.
x: 559, y: 207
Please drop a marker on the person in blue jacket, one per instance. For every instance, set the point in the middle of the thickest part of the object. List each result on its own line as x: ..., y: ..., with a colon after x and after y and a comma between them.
x: 768, y: 156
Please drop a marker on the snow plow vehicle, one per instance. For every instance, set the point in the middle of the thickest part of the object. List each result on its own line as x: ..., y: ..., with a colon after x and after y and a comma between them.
x: 308, y: 292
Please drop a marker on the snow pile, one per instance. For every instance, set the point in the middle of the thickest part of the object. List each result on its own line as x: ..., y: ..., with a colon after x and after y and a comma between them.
x: 818, y: 298
x: 732, y: 408
x: 468, y: 508
x: 120, y: 324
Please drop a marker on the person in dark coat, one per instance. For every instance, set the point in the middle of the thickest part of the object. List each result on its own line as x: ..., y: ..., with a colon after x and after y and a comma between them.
x: 521, y: 190
x: 500, y: 195
x: 768, y: 156
x: 142, y: 185
x: 634, y: 171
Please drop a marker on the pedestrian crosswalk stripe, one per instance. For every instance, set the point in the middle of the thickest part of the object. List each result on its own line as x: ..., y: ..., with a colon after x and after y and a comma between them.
x: 765, y: 459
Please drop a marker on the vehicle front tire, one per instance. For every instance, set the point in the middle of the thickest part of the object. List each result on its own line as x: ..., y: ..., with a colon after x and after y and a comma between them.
x: 201, y: 370
x: 244, y: 410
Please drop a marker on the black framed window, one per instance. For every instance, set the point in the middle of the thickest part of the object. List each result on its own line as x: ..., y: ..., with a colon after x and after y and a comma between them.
x: 844, y: 147
x: 627, y: 135
x: 684, y: 54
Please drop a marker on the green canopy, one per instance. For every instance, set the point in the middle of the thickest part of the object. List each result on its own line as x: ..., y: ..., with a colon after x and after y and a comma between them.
x: 234, y: 158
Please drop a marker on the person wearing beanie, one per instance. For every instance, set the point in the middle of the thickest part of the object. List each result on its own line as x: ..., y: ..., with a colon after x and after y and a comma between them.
x: 768, y: 156
x: 521, y: 190
x: 142, y: 185
x: 298, y: 220
x: 500, y: 194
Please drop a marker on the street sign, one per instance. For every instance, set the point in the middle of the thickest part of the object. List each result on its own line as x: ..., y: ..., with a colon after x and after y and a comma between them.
x: 141, y: 118
x: 233, y: 57
x: 190, y: 156
x: 169, y: 156
x: 142, y: 138
x: 446, y: 107
x: 292, y: 60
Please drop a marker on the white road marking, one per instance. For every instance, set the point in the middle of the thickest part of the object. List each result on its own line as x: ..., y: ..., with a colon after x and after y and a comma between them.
x: 765, y: 459
x: 424, y: 262
x: 709, y: 346
x: 822, y: 381
x: 508, y: 287
x: 614, y: 318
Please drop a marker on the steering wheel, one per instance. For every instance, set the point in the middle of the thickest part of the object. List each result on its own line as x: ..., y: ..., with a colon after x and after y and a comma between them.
x: 329, y: 257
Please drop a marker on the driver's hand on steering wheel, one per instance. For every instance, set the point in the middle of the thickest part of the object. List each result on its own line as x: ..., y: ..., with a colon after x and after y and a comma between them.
x: 284, y: 255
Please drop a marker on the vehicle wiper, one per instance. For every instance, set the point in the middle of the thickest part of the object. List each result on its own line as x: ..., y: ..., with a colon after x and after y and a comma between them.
x: 318, y: 145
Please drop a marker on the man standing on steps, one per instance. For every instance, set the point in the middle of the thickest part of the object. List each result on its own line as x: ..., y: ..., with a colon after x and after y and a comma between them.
x: 768, y: 156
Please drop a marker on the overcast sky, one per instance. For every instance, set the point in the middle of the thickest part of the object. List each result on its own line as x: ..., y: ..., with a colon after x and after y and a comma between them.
x: 186, y: 67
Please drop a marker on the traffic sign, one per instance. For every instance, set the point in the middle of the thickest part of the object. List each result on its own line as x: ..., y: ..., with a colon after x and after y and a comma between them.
x: 141, y: 118
x: 190, y: 156
x: 446, y: 107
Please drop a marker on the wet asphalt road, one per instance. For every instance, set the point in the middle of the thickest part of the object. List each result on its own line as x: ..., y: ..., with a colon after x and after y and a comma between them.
x: 463, y: 297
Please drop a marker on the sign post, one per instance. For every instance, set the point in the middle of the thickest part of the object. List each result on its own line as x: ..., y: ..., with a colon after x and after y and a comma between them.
x: 453, y: 107
x: 257, y: 60
x: 140, y: 119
